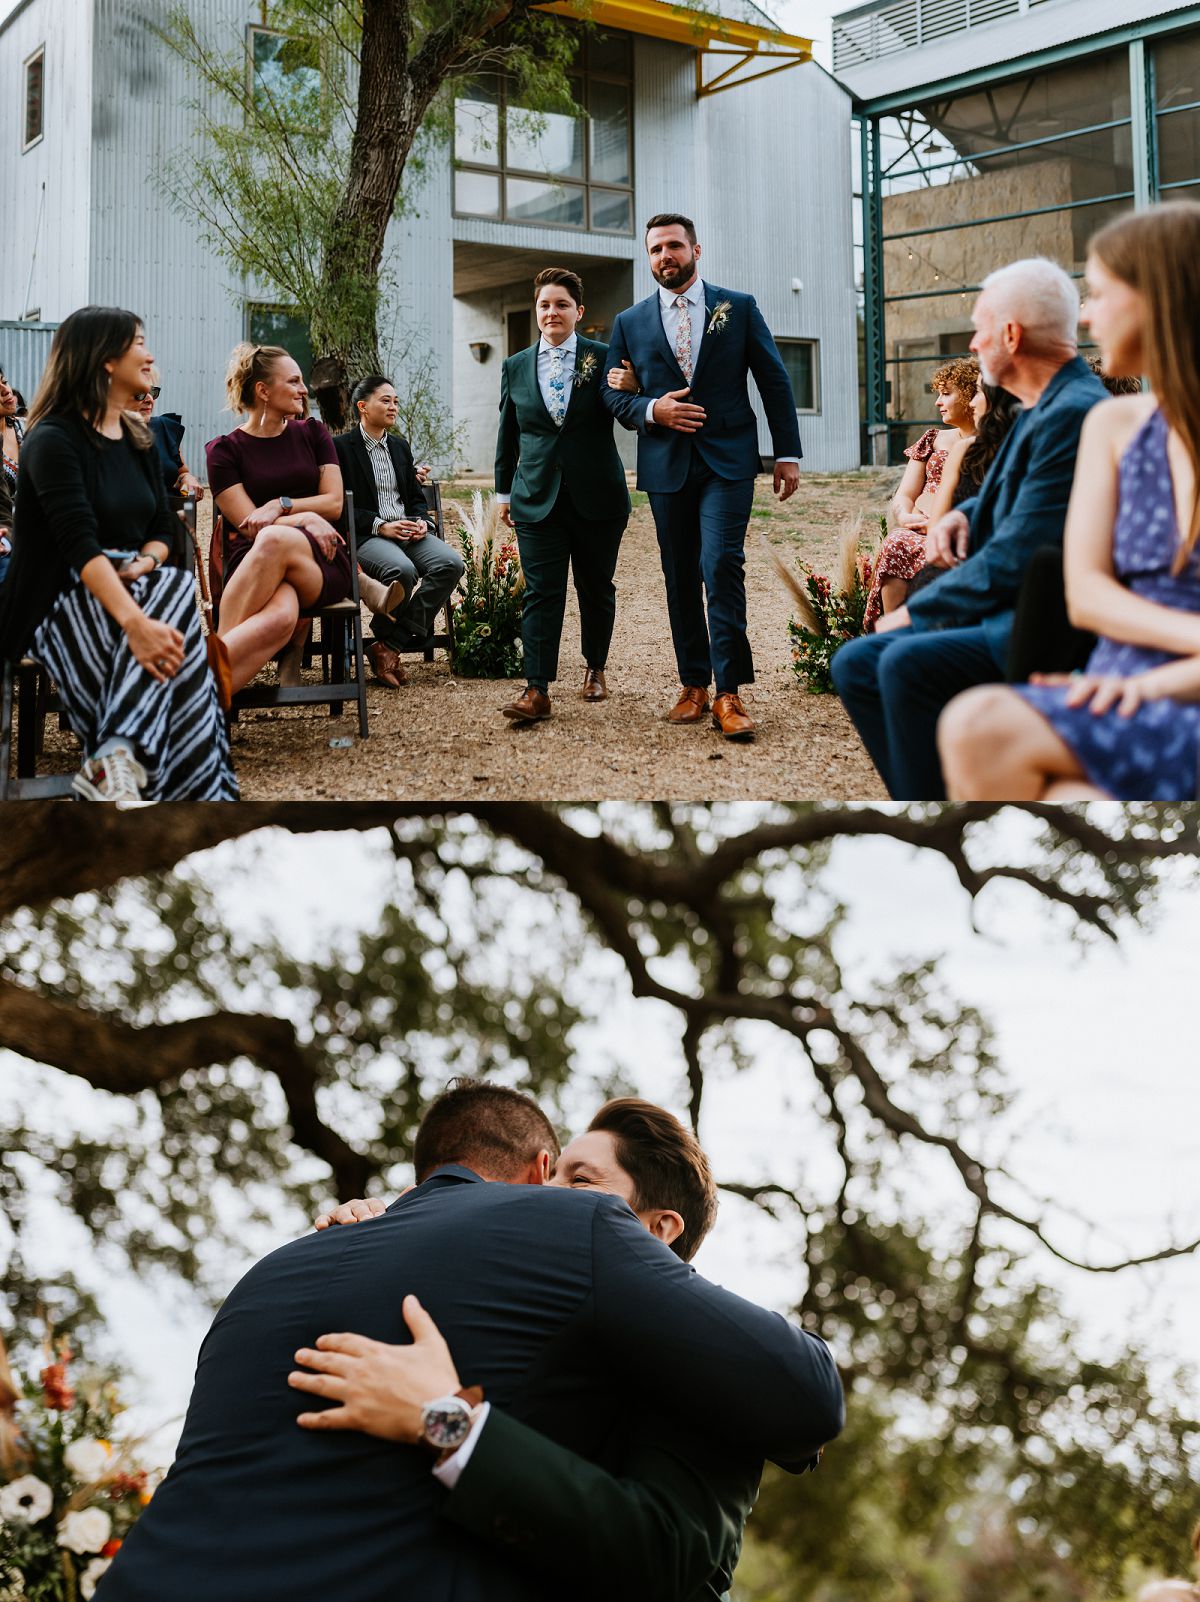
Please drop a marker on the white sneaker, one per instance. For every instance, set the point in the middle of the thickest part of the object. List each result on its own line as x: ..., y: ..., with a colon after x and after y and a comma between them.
x: 116, y: 776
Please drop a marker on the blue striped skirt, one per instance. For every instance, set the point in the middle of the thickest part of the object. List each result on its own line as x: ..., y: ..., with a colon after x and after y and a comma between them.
x: 177, y: 729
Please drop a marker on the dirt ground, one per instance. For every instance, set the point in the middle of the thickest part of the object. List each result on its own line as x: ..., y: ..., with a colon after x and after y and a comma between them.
x: 443, y: 738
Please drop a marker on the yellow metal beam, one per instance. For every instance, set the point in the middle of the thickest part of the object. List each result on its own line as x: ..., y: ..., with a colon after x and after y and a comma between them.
x: 657, y: 19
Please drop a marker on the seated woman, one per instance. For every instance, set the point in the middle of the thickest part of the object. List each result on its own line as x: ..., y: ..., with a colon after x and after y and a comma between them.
x: 168, y: 431
x: 1129, y: 727
x: 88, y: 595
x: 276, y: 481
x: 10, y: 449
x: 902, y: 553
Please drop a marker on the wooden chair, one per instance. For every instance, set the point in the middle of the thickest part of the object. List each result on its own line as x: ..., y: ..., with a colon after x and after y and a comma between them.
x: 30, y: 693
x: 339, y: 645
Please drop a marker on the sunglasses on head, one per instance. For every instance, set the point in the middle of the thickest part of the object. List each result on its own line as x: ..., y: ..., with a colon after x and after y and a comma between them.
x: 153, y: 393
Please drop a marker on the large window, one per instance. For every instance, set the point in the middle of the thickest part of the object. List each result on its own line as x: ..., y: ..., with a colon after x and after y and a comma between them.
x: 35, y: 94
x: 285, y: 78
x: 279, y: 325
x: 1177, y: 116
x: 802, y: 358
x: 1028, y: 167
x: 551, y: 168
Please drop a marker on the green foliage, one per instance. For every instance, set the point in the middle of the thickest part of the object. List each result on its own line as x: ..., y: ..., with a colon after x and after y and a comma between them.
x: 489, y: 601
x: 831, y: 612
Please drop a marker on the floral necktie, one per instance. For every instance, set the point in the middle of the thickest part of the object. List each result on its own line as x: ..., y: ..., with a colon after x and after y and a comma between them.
x: 683, y: 337
x: 558, y: 386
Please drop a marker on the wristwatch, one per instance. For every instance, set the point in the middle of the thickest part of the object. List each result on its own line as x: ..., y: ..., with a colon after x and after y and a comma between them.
x: 285, y: 504
x: 446, y: 1421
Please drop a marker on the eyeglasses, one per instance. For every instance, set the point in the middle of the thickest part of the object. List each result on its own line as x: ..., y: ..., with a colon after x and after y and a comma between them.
x: 153, y: 393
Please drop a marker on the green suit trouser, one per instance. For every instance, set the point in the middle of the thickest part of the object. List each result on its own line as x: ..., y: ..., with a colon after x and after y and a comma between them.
x: 587, y: 547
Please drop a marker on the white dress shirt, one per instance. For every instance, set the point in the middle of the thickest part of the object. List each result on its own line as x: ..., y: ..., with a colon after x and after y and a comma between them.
x: 449, y: 1471
x: 698, y: 313
x: 568, y: 347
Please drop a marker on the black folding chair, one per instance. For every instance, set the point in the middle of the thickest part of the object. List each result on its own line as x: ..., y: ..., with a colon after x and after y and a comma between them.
x: 339, y: 646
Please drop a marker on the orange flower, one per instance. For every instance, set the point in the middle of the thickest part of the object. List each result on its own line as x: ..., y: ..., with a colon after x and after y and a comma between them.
x: 110, y: 1549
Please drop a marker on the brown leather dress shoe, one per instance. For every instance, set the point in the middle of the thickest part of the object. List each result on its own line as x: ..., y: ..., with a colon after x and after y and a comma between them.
x: 530, y: 707
x: 386, y: 665
x: 691, y: 705
x: 594, y: 687
x: 731, y: 717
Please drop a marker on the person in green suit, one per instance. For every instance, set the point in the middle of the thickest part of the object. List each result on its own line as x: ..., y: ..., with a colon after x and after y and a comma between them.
x: 561, y: 486
x: 660, y: 1515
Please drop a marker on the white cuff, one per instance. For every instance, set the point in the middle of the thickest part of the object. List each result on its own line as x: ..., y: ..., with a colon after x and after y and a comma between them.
x: 795, y: 459
x: 649, y: 417
x: 502, y: 500
x: 449, y: 1471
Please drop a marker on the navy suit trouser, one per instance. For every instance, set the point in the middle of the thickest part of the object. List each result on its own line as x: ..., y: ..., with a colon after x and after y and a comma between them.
x: 894, y: 687
x: 702, y: 543
x: 587, y: 547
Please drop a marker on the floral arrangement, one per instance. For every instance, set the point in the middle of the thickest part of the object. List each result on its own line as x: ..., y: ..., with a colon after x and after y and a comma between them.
x: 490, y: 597
x: 830, y: 609
x: 720, y: 316
x: 69, y: 1493
x: 585, y: 369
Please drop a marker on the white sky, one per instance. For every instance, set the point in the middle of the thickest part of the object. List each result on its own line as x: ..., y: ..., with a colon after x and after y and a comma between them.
x: 1100, y: 1047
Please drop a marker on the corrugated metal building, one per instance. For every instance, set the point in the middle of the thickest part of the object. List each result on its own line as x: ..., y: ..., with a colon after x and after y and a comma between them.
x: 994, y: 129
x: 764, y: 168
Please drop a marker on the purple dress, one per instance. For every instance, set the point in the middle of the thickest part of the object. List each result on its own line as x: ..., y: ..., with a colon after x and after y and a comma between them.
x: 279, y: 464
x: 1152, y: 756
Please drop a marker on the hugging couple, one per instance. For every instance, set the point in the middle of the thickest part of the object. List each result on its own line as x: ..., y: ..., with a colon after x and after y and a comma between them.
x: 507, y: 1384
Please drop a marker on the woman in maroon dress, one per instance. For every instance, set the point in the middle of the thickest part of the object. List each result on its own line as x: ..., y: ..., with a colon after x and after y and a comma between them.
x: 276, y: 481
x: 902, y: 554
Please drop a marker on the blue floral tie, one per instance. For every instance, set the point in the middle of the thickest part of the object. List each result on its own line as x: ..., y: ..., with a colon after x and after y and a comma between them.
x: 558, y: 386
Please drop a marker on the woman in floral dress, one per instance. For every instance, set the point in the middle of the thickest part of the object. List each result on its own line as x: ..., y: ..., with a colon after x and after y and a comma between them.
x: 902, y: 553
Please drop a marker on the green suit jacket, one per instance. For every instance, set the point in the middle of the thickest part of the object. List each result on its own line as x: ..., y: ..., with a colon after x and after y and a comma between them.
x: 661, y: 1521
x: 534, y: 456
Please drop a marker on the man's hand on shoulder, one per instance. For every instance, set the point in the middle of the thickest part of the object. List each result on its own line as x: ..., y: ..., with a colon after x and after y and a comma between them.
x: 351, y: 1212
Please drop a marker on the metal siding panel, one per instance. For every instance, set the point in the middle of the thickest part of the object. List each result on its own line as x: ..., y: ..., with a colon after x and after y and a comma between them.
x: 59, y: 161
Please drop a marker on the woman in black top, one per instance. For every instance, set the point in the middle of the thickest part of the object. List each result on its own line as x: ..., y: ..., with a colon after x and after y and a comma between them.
x: 120, y: 635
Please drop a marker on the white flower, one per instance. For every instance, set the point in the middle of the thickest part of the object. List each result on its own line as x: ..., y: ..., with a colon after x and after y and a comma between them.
x: 26, y: 1500
x: 87, y: 1459
x: 91, y: 1575
x: 85, y: 1531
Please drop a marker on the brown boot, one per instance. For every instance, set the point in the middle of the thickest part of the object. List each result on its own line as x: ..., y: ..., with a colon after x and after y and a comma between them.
x: 380, y: 599
x: 530, y: 707
x: 691, y: 705
x: 731, y: 717
x: 386, y: 665
x: 594, y: 687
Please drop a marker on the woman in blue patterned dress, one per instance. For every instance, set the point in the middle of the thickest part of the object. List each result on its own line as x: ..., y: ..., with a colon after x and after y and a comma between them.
x: 1129, y: 726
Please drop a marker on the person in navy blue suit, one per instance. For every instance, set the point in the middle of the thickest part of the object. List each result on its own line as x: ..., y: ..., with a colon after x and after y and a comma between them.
x: 564, y: 1311
x: 681, y: 359
x: 955, y: 632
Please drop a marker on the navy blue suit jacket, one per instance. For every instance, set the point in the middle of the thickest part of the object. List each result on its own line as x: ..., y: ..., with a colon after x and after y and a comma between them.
x: 740, y: 345
x: 1021, y: 506
x: 560, y: 1304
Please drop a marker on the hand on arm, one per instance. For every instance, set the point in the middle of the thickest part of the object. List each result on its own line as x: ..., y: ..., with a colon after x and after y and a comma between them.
x: 947, y: 540
x: 673, y: 411
x: 624, y: 378
x: 156, y: 646
x: 903, y: 501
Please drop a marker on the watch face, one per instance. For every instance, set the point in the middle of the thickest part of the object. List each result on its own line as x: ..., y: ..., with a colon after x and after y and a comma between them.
x: 447, y: 1422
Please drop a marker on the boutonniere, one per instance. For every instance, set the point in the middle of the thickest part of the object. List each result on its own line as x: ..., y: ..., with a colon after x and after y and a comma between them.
x: 720, y: 316
x: 585, y: 368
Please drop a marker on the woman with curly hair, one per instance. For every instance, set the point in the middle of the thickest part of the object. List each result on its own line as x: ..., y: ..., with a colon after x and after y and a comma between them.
x: 902, y: 553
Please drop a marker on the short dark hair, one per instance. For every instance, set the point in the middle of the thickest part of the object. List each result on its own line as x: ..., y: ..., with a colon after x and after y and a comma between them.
x: 666, y: 1163
x: 490, y: 1128
x: 367, y: 386
x: 673, y: 219
x: 563, y: 276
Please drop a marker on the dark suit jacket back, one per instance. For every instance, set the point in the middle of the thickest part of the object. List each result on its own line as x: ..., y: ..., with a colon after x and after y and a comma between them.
x: 1021, y: 506
x: 556, y: 1302
x: 357, y: 475
x: 736, y: 344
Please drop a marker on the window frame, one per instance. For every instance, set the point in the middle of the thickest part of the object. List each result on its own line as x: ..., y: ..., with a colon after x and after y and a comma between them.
x: 31, y: 60
x: 585, y: 183
x: 804, y: 339
x: 304, y: 129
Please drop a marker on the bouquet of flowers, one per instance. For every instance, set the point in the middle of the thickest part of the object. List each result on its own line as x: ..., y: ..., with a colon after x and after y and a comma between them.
x: 830, y: 609
x: 69, y: 1493
x: 490, y: 597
